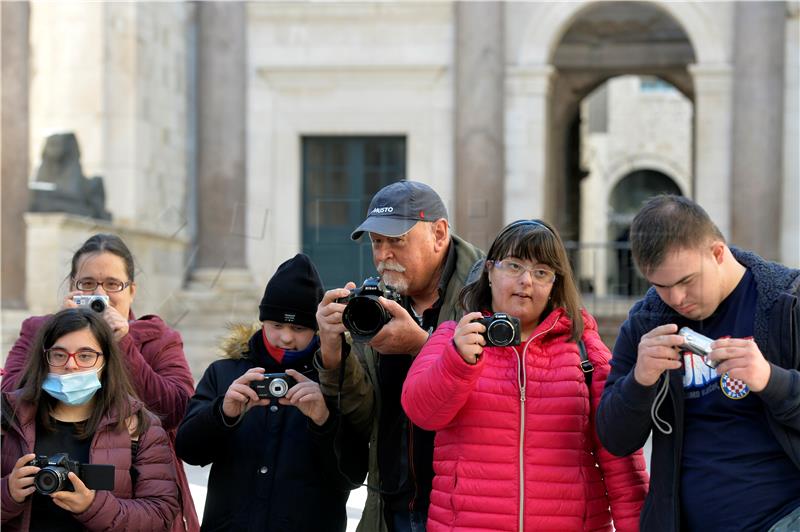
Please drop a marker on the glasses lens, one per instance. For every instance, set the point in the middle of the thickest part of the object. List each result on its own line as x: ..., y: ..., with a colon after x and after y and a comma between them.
x: 57, y: 357
x: 86, y: 359
x: 112, y: 285
x: 86, y: 284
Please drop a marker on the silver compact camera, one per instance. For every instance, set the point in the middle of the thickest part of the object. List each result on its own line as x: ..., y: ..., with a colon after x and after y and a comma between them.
x: 698, y: 344
x: 96, y: 303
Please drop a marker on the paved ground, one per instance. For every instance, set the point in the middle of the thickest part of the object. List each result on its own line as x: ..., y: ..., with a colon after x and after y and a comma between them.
x: 198, y: 479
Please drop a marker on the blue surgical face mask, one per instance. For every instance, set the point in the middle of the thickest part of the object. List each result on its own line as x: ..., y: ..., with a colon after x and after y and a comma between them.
x: 72, y: 388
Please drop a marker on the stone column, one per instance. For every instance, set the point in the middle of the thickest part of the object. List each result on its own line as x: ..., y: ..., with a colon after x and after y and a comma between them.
x: 221, y: 143
x: 526, y: 140
x: 14, y: 163
x: 758, y: 82
x: 479, y: 88
x: 790, y: 222
x: 712, y: 145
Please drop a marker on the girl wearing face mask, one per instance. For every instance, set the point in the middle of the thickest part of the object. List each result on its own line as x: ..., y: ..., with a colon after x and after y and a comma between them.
x: 75, y: 397
x: 153, y: 352
x: 515, y: 446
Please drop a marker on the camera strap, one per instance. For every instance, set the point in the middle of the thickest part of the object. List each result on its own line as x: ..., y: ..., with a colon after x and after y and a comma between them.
x: 586, y: 365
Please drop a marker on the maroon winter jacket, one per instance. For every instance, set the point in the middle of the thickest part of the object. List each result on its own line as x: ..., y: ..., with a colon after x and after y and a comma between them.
x: 155, y: 505
x: 515, y: 442
x: 160, y: 375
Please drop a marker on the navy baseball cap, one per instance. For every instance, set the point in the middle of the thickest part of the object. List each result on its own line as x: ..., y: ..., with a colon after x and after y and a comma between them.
x: 396, y: 208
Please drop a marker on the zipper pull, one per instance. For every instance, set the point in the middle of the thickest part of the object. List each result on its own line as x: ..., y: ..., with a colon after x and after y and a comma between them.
x: 522, y: 394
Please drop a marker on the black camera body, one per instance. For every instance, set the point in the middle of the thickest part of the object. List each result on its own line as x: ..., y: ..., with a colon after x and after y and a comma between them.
x: 363, y: 314
x: 501, y: 330
x: 95, y: 302
x: 274, y: 385
x: 52, y: 475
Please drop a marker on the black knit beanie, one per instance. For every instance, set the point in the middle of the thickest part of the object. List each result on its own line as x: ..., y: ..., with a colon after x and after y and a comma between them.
x: 293, y: 293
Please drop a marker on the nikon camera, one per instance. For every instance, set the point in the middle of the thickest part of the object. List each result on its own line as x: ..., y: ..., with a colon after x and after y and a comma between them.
x: 501, y: 330
x: 274, y: 385
x: 363, y: 314
x: 94, y: 302
x: 52, y: 476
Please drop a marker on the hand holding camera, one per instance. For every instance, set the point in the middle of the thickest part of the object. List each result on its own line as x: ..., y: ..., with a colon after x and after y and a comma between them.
x: 241, y: 396
x: 307, y: 397
x: 469, y: 337
x: 331, y: 328
x: 657, y: 353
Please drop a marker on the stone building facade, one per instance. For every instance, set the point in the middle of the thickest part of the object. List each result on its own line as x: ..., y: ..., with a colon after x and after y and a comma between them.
x: 241, y: 133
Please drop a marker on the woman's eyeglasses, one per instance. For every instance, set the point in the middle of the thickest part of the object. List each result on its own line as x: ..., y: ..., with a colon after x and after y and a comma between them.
x: 84, y: 358
x: 109, y: 285
x: 513, y: 270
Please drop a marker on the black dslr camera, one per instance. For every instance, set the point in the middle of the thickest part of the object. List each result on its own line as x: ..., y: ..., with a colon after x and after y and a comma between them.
x: 52, y: 476
x: 363, y: 315
x: 274, y: 385
x: 501, y: 330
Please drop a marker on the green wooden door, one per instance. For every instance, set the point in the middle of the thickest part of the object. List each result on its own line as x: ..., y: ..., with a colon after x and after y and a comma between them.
x: 340, y: 176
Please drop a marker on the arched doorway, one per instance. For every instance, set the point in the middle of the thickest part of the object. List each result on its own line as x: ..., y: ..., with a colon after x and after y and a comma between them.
x: 603, y: 41
x: 624, y: 201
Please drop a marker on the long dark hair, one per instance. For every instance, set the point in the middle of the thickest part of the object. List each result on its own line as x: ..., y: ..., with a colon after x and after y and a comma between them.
x: 100, y: 243
x: 536, y: 241
x: 114, y: 396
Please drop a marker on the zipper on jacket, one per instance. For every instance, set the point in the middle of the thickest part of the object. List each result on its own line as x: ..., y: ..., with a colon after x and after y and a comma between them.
x: 522, y: 382
x: 413, y: 500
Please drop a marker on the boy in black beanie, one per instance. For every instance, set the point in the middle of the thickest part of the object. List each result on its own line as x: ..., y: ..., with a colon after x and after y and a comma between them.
x: 273, y: 466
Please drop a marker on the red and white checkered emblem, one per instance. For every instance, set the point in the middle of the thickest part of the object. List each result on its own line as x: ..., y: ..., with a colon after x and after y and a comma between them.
x: 733, y: 388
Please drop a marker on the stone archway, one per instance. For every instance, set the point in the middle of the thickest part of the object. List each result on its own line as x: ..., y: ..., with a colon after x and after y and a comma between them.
x: 567, y: 50
x: 623, y: 203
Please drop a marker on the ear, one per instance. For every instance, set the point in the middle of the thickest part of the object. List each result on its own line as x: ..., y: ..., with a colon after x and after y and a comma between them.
x: 441, y: 234
x: 718, y: 251
x: 133, y: 292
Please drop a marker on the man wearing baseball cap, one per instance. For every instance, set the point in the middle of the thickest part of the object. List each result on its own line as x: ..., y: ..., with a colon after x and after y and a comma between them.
x: 415, y: 252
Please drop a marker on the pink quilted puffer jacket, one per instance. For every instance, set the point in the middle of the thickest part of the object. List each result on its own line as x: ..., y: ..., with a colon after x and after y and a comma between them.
x: 516, y: 448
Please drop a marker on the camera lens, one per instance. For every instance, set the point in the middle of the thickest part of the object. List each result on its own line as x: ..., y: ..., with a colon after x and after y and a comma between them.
x: 98, y: 305
x: 278, y: 387
x: 48, y: 480
x: 364, y: 316
x: 500, y: 333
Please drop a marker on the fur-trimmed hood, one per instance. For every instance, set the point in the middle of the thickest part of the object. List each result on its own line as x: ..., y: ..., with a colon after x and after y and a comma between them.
x: 235, y: 344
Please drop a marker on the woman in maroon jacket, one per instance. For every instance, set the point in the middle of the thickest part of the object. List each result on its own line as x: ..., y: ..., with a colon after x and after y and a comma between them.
x: 515, y: 445
x: 75, y: 398
x: 153, y: 352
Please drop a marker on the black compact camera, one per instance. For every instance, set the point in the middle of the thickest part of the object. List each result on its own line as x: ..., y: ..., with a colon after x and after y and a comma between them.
x: 52, y: 475
x: 698, y: 344
x: 94, y: 302
x: 274, y: 385
x: 363, y: 315
x: 501, y: 330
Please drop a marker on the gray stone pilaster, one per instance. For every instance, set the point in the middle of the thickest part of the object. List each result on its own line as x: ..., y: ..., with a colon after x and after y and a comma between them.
x: 479, y: 124
x: 221, y: 132
x: 14, y: 163
x: 757, y: 165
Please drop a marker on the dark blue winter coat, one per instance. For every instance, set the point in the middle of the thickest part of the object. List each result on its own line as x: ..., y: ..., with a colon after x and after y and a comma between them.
x: 274, y: 470
x: 623, y: 418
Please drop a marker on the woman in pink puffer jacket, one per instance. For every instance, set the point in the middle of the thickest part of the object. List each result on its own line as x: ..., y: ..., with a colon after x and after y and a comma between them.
x: 515, y: 446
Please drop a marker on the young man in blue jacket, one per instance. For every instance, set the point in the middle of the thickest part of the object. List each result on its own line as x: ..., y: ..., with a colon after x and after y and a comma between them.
x: 726, y: 426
